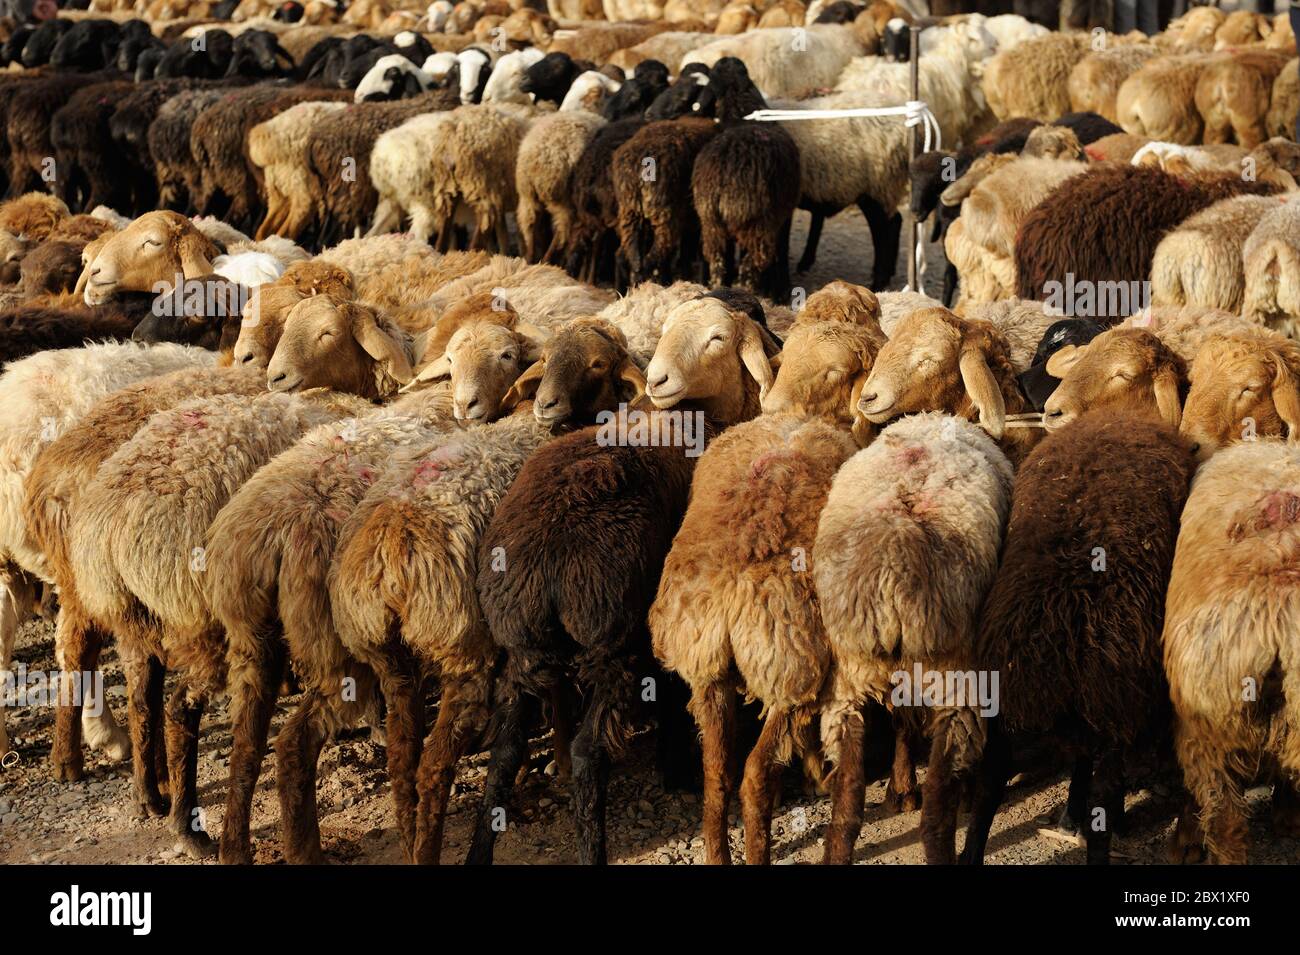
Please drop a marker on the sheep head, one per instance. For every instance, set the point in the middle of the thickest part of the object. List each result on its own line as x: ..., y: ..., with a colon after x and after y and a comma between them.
x: 345, y: 346
x: 266, y: 308
x: 152, y: 250
x: 1054, y: 142
x: 821, y: 372
x: 33, y: 215
x: 480, y: 347
x: 936, y: 361
x: 1242, y: 385
x: 584, y: 369
x: 709, y: 351
x: 841, y: 301
x: 1123, y: 368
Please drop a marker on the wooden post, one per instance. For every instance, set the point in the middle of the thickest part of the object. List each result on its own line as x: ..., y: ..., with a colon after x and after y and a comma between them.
x: 914, y: 60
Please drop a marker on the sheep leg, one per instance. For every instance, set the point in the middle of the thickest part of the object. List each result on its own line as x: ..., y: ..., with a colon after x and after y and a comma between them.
x: 814, y: 239
x: 1187, y: 844
x: 562, y: 707
x: 942, y: 799
x: 17, y: 597
x: 448, y: 741
x: 297, y: 749
x: 676, y: 749
x: 503, y: 235
x: 1107, y: 806
x: 508, y: 753
x: 886, y: 234
x: 949, y: 283
x: 991, y: 788
x: 757, y: 789
x: 184, y: 713
x: 902, y: 794
x: 254, y: 683
x: 591, y: 761
x: 849, y: 787
x: 399, y: 677
x: 144, y: 702
x: 714, y: 709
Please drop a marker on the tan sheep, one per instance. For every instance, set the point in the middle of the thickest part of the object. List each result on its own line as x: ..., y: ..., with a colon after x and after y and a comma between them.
x: 1032, y: 78
x: 1233, y: 94
x: 1243, y: 387
x: 157, y: 247
x: 1271, y: 258
x: 1095, y: 80
x: 1159, y: 100
x: 547, y: 155
x: 1284, y: 103
x: 1122, y: 369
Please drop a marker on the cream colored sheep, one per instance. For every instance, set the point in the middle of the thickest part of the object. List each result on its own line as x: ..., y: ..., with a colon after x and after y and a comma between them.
x: 1095, y: 80
x: 1159, y: 100
x: 1032, y: 78
x: 1271, y: 258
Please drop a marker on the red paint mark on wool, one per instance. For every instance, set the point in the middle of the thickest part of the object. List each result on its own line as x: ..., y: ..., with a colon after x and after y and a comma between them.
x: 765, y: 461
x: 433, y: 466
x: 910, y: 455
x: 1279, y: 509
x: 195, y: 419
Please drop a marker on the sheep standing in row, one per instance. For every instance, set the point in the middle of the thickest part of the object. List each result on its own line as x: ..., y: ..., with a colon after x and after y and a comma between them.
x: 907, y: 546
x: 548, y: 155
x: 1228, y: 651
x: 268, y: 584
x: 402, y: 582
x: 581, y: 500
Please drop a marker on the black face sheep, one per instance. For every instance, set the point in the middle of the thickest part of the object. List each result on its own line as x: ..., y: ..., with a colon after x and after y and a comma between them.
x: 40, y: 45
x: 88, y: 45
x: 591, y: 254
x: 648, y: 80
x: 1072, y: 623
x: 907, y: 546
x: 257, y: 53
x: 744, y: 188
x: 207, y: 55
x: 549, y: 79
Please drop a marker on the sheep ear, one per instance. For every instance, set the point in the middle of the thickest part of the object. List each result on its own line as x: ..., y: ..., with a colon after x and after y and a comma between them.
x: 631, y: 376
x: 82, y: 279
x: 755, y: 357
x: 983, y: 390
x: 525, y: 385
x: 1061, y: 360
x: 1167, y: 400
x: 1286, y: 399
x: 775, y: 362
x: 194, y: 257
x: 531, y: 339
x: 379, y: 345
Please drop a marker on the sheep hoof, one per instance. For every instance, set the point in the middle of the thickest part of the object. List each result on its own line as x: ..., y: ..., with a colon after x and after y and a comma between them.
x: 195, y: 845
x: 235, y: 855
x: 67, y: 770
x: 897, y: 803
x: 153, y: 805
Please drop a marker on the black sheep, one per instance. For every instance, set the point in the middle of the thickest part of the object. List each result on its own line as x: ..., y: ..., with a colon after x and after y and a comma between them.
x: 12, y: 50
x: 257, y: 54
x: 684, y: 98
x: 90, y: 175
x: 40, y: 45
x: 89, y: 45
x: 207, y: 55
x: 648, y: 80
x: 550, y: 77
x: 593, y: 242
x: 746, y: 186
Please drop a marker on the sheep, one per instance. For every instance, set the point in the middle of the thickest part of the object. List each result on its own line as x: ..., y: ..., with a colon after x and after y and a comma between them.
x: 652, y: 175
x: 178, y: 175
x: 129, y: 126
x: 28, y: 130
x: 1243, y: 386
x: 157, y: 247
x: 1184, y: 328
x: 264, y: 313
x: 548, y: 154
x: 981, y: 243
x: 1200, y: 262
x: 338, y: 157
x: 1032, y: 78
x: 935, y: 361
x: 1284, y: 102
x: 550, y: 78
x: 149, y: 596
x: 392, y: 77
x: 1159, y: 99
x: 43, y: 395
x: 1233, y: 96
x: 669, y: 48
x: 1095, y: 80
x: 1194, y: 30
x: 590, y: 92
x: 785, y: 62
x: 1070, y: 233
x: 736, y: 609
x: 1114, y: 482
x: 1227, y: 594
x: 742, y: 188
x: 52, y: 491
x: 78, y: 130
x: 1272, y: 293
x: 598, y: 42
x: 329, y: 471
x: 276, y: 146
x: 907, y: 546
x: 433, y: 505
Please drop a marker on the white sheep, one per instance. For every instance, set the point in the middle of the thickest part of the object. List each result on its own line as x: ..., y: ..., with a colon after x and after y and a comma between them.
x: 505, y: 83
x: 787, y: 61
x: 382, y: 80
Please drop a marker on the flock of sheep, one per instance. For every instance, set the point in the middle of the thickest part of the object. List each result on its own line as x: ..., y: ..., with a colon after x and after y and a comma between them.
x: 254, y: 436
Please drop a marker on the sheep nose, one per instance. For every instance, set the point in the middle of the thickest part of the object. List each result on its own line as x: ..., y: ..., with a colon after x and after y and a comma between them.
x: 867, y: 399
x: 1196, y: 448
x: 659, y: 380
x: 246, y: 359
x: 278, y: 378
x: 1054, y: 413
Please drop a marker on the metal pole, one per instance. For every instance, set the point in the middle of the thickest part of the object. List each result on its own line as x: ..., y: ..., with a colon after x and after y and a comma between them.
x: 914, y: 58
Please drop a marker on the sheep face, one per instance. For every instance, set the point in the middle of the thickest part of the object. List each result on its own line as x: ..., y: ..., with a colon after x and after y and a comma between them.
x: 1124, y: 368
x: 821, y: 372
x: 51, y: 267
x: 154, y: 249
x: 331, y: 344
x: 584, y: 369
x: 702, y: 351
x: 1242, y: 387
x: 482, y: 361
x: 936, y: 361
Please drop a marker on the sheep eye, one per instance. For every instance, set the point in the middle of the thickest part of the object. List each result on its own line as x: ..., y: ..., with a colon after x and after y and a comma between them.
x: 598, y: 365
x: 325, y: 334
x: 507, y: 356
x: 154, y: 243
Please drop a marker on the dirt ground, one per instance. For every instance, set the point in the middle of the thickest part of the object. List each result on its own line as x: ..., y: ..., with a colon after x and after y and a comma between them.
x: 91, y: 822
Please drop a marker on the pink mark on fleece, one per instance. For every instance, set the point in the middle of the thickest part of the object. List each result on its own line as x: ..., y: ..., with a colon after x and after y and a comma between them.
x: 910, y: 455
x: 759, y: 467
x: 1276, y: 510
x: 195, y: 419
x: 434, y: 465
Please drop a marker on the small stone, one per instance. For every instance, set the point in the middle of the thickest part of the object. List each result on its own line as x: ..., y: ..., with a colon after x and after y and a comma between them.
x: 544, y: 802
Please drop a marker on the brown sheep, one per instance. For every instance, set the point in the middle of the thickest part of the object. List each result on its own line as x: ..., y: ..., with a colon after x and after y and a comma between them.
x: 1072, y: 232
x: 157, y: 247
x: 1233, y: 96
x: 1128, y: 369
